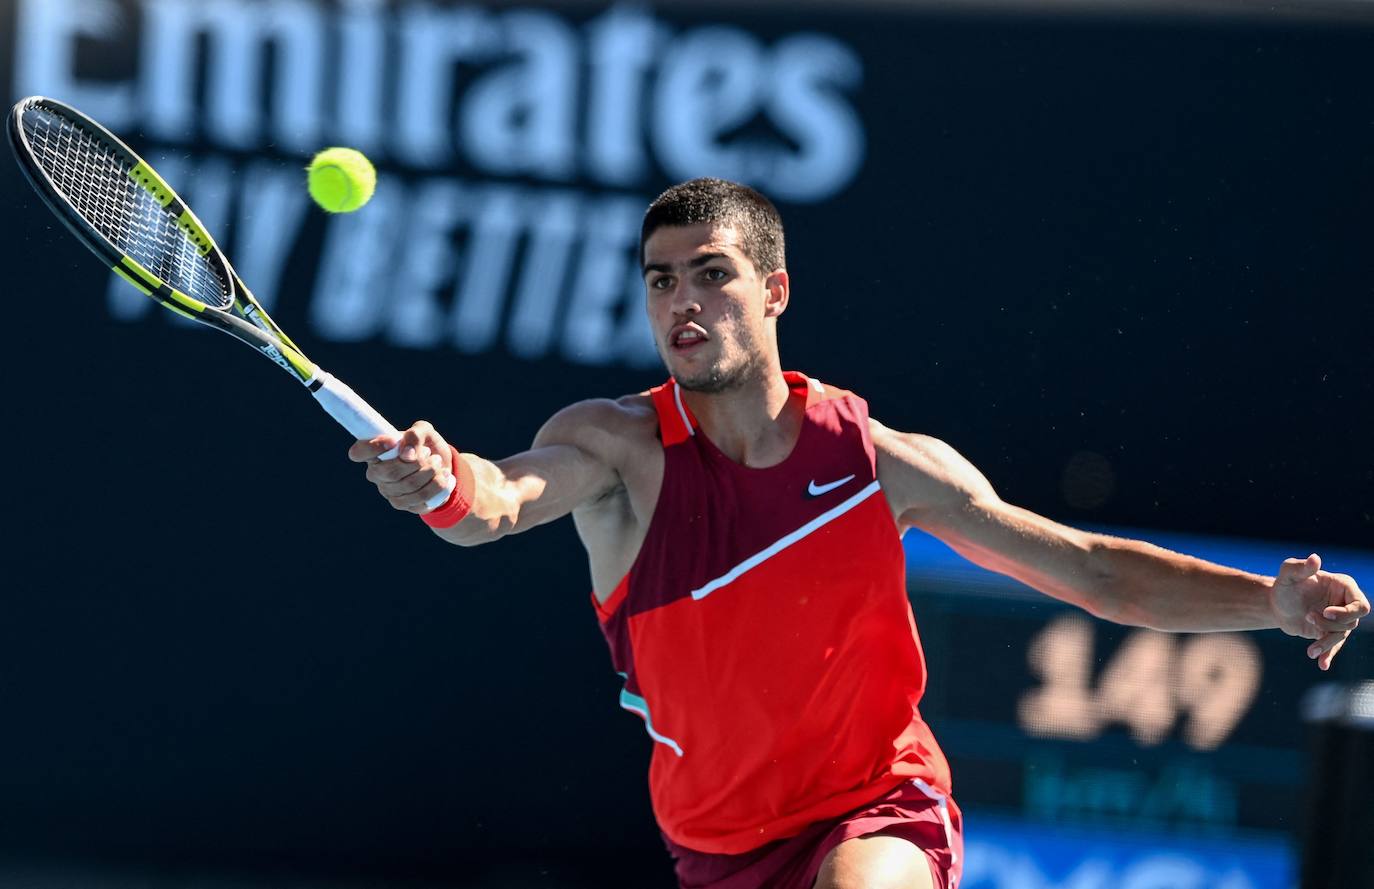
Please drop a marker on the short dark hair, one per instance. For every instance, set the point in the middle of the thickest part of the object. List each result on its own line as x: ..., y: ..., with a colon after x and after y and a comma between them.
x: 721, y: 202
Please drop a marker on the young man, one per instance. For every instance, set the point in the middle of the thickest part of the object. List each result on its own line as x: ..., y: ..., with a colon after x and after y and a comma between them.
x: 743, y: 529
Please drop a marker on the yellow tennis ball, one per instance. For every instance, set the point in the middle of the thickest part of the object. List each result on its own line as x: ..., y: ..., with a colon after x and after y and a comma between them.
x: 341, y: 179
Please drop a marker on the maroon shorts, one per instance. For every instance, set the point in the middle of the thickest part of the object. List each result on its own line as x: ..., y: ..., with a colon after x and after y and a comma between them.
x: 912, y: 811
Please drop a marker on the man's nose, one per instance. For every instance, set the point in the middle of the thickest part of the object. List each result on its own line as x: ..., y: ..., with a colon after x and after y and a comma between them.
x: 685, y: 303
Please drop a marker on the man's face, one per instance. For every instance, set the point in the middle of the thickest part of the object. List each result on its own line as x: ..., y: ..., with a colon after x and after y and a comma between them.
x: 707, y: 306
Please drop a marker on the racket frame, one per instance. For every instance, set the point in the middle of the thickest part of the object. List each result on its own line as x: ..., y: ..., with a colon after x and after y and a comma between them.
x: 252, y: 324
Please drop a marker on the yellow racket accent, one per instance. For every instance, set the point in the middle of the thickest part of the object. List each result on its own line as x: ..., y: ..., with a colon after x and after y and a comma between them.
x: 194, y: 305
x: 125, y: 275
x: 158, y: 289
x: 146, y: 292
x: 187, y: 223
x: 303, y: 365
x: 145, y: 280
x: 259, y: 318
x: 152, y: 183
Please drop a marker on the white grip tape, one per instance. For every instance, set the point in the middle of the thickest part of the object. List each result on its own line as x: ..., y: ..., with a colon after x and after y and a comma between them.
x: 363, y: 422
x: 346, y: 406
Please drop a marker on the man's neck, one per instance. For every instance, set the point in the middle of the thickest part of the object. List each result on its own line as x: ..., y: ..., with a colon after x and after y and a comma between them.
x: 753, y: 424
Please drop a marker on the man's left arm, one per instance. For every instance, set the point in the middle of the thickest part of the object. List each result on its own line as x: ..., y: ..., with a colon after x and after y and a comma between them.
x: 931, y: 486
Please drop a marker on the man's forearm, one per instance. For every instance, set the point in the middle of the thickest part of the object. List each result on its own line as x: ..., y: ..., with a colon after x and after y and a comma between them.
x: 494, y: 506
x: 1145, y: 585
x: 526, y: 490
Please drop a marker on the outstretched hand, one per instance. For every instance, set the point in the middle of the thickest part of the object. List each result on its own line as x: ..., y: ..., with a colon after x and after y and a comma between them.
x: 422, y: 470
x: 1317, y: 605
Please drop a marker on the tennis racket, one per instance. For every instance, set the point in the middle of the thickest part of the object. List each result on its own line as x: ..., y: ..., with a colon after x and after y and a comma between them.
x: 119, y: 207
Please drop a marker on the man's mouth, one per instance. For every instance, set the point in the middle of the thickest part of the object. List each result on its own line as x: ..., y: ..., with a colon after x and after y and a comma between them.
x: 686, y: 339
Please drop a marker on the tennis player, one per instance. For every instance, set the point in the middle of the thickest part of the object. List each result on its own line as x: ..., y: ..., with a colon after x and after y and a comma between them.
x: 743, y: 529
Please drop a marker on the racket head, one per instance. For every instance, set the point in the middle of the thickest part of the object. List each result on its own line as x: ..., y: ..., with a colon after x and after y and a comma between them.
x: 119, y: 207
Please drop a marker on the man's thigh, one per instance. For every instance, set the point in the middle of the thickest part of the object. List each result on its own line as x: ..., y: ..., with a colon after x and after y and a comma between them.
x: 875, y: 862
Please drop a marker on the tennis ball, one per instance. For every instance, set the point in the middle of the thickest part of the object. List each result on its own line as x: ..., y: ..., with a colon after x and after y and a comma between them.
x: 341, y: 179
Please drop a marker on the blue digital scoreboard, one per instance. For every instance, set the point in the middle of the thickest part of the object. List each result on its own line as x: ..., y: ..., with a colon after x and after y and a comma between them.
x: 1010, y: 854
x: 1141, y: 740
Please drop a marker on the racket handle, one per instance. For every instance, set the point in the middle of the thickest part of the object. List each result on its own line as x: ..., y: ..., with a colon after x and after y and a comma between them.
x: 362, y: 421
x: 343, y: 404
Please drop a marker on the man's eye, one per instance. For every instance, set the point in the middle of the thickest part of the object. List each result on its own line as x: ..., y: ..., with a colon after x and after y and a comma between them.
x: 660, y: 283
x: 714, y: 274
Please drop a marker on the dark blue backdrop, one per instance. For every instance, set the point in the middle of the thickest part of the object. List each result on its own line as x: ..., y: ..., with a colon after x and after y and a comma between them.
x: 1144, y: 240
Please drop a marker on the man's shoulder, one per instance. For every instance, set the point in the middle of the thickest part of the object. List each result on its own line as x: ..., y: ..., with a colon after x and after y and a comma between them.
x: 604, y: 426
x: 628, y: 414
x: 915, y: 448
x: 891, y: 440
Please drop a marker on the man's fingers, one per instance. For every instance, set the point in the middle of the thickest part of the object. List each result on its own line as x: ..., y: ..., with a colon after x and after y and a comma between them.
x: 1324, y: 662
x: 1356, y: 604
x: 402, y: 493
x: 414, y: 494
x: 363, y: 451
x: 1295, y: 570
x: 439, y: 480
x: 389, y: 470
x: 1326, y: 643
x: 1350, y: 611
x: 382, y: 472
x: 415, y: 453
x: 1333, y: 620
x: 409, y: 468
x: 413, y: 490
x: 1341, y: 617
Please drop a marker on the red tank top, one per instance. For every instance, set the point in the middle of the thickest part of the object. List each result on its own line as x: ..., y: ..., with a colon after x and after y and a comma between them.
x: 765, y: 636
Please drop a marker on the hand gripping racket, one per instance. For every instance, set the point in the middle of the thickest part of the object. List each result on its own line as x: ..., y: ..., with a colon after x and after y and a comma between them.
x: 119, y: 207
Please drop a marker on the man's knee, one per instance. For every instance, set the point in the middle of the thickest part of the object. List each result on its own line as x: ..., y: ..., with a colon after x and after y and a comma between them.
x: 875, y: 862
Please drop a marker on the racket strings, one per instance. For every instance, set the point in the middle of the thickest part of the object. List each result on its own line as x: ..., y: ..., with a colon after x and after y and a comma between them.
x: 94, y: 179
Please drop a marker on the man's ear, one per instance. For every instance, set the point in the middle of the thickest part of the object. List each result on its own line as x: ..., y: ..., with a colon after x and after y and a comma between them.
x: 779, y: 289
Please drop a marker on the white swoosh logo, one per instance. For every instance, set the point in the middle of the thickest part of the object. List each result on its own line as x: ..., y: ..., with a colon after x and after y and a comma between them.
x: 816, y: 490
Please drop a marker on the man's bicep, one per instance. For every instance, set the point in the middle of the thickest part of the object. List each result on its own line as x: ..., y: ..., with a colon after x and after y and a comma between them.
x: 940, y: 492
x: 924, y: 477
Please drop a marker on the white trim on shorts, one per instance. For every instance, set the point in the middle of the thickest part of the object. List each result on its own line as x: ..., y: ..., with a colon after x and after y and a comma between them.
x: 943, y: 802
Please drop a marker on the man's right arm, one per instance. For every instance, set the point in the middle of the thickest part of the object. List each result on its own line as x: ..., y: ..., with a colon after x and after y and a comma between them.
x: 572, y: 462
